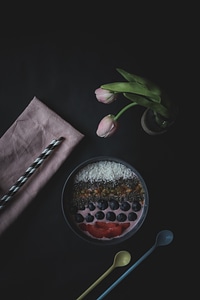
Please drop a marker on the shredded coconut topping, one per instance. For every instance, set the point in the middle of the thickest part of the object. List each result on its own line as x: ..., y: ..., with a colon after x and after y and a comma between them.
x: 104, y: 171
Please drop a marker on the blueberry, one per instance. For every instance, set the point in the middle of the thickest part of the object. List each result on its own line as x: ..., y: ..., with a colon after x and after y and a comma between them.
x: 91, y: 206
x: 132, y: 216
x: 121, y: 217
x: 136, y: 206
x: 89, y: 218
x: 114, y: 204
x: 125, y: 206
x: 102, y: 204
x: 79, y: 218
x: 110, y: 216
x: 100, y: 215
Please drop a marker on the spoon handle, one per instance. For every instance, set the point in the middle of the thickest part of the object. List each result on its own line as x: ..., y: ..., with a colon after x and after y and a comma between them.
x: 96, y: 283
x: 127, y: 272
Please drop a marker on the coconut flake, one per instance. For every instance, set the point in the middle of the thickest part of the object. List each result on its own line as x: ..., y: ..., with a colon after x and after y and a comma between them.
x: 104, y: 171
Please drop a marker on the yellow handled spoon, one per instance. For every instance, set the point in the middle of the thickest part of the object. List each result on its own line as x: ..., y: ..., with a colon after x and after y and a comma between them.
x: 121, y: 259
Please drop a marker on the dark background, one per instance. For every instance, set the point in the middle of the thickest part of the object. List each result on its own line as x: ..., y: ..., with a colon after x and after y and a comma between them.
x: 62, y: 61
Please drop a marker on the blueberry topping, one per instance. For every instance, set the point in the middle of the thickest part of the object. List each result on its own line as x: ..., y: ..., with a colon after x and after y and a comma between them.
x: 136, y: 206
x: 89, y: 218
x: 79, y: 218
x: 100, y: 215
x: 91, y: 206
x: 125, y: 206
x: 102, y: 204
x: 121, y: 217
x: 132, y: 216
x: 110, y: 216
x: 114, y: 204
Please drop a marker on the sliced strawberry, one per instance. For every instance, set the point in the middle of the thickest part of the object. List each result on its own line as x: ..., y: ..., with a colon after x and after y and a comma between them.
x: 104, y: 229
x: 106, y: 225
x: 114, y: 231
x: 96, y: 231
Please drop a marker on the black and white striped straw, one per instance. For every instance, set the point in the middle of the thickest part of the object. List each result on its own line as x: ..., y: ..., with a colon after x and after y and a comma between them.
x: 20, y: 182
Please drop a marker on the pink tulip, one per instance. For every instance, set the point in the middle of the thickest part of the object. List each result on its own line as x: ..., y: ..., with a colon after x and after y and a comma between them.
x: 105, y: 96
x: 107, y: 126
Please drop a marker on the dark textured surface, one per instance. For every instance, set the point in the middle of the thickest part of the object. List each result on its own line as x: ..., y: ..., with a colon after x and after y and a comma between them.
x: 40, y: 257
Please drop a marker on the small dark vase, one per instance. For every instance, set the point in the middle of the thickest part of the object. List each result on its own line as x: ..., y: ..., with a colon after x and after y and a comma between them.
x: 154, y: 124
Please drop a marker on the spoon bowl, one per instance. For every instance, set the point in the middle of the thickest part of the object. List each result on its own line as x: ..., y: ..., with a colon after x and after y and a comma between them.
x: 122, y: 258
x: 164, y: 238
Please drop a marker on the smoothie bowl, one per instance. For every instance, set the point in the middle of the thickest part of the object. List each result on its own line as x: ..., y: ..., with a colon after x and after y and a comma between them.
x: 105, y: 200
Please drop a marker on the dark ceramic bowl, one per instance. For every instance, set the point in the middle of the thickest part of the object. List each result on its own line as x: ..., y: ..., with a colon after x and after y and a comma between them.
x: 105, y: 200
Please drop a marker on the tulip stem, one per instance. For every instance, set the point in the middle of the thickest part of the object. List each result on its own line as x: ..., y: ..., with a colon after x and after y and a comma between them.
x: 124, y: 109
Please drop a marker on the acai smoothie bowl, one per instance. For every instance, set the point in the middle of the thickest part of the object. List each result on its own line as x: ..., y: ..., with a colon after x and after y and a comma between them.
x: 105, y: 200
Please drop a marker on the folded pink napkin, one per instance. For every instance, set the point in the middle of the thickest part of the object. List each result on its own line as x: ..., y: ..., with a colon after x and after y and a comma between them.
x: 21, y: 144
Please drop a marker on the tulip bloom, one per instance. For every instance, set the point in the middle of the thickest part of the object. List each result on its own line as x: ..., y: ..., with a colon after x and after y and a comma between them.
x: 107, y: 126
x: 105, y: 96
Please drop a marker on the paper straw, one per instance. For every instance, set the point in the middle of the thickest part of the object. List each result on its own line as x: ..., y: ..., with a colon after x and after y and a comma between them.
x: 29, y: 172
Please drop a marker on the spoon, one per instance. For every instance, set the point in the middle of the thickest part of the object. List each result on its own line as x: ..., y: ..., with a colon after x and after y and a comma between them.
x: 121, y: 259
x: 163, y: 238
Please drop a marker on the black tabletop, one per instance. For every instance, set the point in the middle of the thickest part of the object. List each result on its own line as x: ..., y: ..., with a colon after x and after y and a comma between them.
x: 41, y: 258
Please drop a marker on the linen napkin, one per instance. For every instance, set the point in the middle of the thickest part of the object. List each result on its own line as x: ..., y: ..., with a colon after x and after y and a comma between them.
x: 21, y: 144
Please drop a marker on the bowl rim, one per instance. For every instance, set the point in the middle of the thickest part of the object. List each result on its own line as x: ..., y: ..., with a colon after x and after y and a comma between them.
x: 82, y: 235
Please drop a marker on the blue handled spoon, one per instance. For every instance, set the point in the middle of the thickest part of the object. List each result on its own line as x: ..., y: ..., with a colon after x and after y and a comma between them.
x: 163, y: 238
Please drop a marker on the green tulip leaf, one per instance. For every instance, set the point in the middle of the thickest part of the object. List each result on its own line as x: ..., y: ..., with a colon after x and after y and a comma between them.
x: 140, y: 80
x: 128, y: 76
x: 132, y: 87
x: 146, y: 102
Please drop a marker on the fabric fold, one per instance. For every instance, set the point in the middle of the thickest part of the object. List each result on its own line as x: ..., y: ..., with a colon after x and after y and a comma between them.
x: 21, y: 144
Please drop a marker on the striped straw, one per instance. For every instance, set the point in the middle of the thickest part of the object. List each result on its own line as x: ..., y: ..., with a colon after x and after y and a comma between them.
x: 20, y: 182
